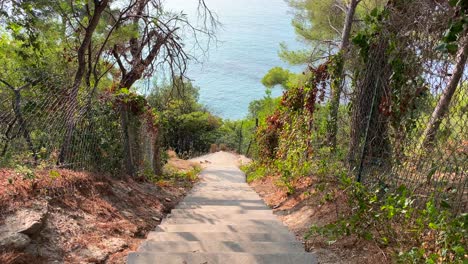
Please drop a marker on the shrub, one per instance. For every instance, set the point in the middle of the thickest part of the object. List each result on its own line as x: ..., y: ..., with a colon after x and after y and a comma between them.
x: 223, y: 147
x: 213, y: 148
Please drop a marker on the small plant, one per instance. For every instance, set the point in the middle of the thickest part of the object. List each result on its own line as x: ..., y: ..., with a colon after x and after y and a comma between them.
x: 53, y: 174
x: 390, y: 218
x: 254, y: 171
x: 26, y: 172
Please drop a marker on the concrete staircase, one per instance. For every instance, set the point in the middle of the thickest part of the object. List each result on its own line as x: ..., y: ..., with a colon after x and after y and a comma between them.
x: 221, y: 221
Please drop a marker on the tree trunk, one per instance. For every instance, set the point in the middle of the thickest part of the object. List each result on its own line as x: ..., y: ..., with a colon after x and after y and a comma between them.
x: 73, y: 95
x: 444, y: 102
x: 369, y: 140
x: 130, y: 166
x: 16, y: 105
x: 338, y: 76
x: 22, y: 123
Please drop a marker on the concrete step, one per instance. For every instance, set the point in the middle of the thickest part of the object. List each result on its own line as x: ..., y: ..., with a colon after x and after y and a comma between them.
x: 221, y: 236
x: 222, y: 221
x: 224, y: 196
x: 222, y: 185
x: 183, y: 205
x: 222, y: 188
x: 209, y: 228
x: 245, y: 204
x: 223, y: 201
x: 221, y: 247
x: 221, y: 215
x: 220, y: 258
x: 225, y: 210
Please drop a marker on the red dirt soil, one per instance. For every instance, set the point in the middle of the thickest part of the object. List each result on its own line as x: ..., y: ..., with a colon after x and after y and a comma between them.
x: 87, y: 213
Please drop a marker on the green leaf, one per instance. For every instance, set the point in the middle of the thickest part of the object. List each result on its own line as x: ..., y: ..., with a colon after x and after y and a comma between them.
x: 54, y: 174
x: 368, y: 236
x: 431, y: 173
x: 442, y: 47
x: 452, y: 48
x: 459, y: 250
x: 453, y: 3
x: 445, y: 204
x: 457, y: 27
x: 124, y: 91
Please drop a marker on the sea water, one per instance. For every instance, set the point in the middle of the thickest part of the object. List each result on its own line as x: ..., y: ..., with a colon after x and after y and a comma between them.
x: 229, y: 75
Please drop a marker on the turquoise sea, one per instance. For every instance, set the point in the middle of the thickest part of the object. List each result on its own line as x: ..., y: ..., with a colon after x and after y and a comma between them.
x: 229, y: 76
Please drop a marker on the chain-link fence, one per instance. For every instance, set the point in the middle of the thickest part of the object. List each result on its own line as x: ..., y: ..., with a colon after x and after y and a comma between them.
x: 403, y: 112
x: 40, y: 127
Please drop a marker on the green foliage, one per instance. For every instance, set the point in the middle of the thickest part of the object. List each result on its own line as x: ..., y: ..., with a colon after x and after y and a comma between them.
x: 316, y: 24
x: 231, y: 131
x: 26, y: 172
x: 449, y: 43
x: 177, y: 175
x: 171, y: 175
x: 136, y: 103
x: 392, y: 218
x: 294, y: 57
x: 364, y: 38
x: 280, y: 76
x: 187, y: 126
x: 254, y: 171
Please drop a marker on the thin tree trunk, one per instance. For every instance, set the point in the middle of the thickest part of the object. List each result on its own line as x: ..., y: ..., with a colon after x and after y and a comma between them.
x: 130, y: 166
x: 338, y: 76
x: 369, y: 131
x: 16, y: 104
x: 444, y: 102
x: 80, y: 72
x: 22, y: 123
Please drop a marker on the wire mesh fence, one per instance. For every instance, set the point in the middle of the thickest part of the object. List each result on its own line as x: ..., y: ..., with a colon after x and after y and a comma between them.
x: 402, y: 117
x: 41, y: 128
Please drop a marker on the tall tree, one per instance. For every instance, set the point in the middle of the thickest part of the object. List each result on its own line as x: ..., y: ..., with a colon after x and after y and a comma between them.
x: 156, y: 43
x: 94, y: 18
x: 444, y: 102
x: 338, y: 76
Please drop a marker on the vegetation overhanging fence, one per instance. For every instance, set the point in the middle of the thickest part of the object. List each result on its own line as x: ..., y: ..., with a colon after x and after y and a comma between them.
x: 35, y: 123
x: 403, y: 112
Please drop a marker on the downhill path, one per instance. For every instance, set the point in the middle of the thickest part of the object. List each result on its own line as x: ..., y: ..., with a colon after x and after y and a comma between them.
x: 222, y: 220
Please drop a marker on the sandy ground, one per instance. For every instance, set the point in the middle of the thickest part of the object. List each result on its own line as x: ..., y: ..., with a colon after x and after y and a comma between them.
x: 222, y: 159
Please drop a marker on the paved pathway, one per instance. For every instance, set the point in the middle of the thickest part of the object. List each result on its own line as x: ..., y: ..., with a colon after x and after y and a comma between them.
x: 221, y: 221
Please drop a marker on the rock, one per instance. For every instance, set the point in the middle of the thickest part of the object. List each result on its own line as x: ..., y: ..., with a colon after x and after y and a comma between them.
x: 11, y: 240
x: 99, y: 254
x: 114, y: 244
x: 14, y: 234
x: 127, y: 214
x: 93, y: 254
x: 168, y: 200
x: 26, y: 221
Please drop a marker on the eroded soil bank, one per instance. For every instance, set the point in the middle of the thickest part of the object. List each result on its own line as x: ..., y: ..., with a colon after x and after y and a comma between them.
x: 71, y: 217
